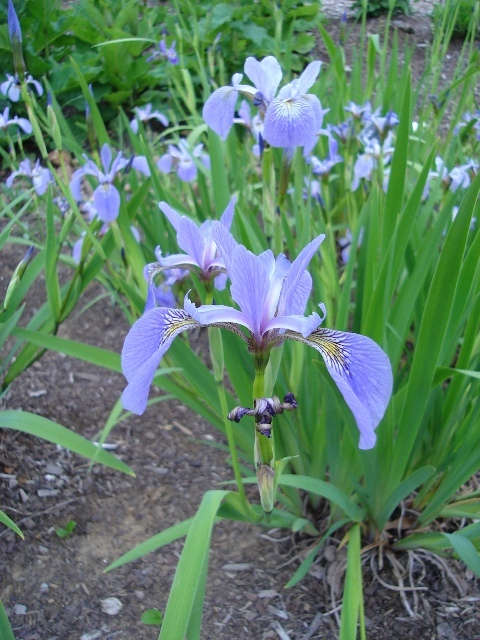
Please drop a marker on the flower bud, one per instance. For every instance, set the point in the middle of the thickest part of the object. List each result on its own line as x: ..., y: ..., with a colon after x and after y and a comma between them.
x: 15, y: 34
x: 265, y: 477
x: 17, y: 276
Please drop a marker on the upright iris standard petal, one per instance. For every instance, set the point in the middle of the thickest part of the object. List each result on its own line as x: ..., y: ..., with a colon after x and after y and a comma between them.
x: 265, y: 75
x: 362, y: 372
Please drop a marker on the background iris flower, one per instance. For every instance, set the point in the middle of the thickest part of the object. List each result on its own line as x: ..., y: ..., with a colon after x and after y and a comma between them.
x: 200, y: 249
x: 271, y: 295
x: 106, y: 197
x: 291, y: 119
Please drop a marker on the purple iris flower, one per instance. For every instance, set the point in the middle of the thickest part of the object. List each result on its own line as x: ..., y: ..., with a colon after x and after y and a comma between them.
x: 39, y: 175
x: 11, y: 87
x: 344, y: 131
x: 323, y: 167
x: 359, y: 111
x: 271, y: 295
x: 168, y: 53
x: 291, y: 119
x: 183, y: 158
x: 199, y: 246
x: 6, y: 121
x: 106, y: 198
x: 366, y: 162
x: 144, y: 114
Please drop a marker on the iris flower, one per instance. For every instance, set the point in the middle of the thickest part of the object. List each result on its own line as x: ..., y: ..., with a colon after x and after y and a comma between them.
x: 271, y: 295
x: 11, y: 87
x: 290, y: 119
x: 6, y: 121
x: 40, y: 176
x: 106, y: 198
x: 200, y: 249
x: 144, y: 114
x: 183, y: 158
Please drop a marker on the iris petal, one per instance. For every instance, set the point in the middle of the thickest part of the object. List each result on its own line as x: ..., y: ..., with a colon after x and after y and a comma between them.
x: 106, y: 200
x: 361, y: 371
x: 290, y: 123
x: 219, y: 110
x: 145, y: 345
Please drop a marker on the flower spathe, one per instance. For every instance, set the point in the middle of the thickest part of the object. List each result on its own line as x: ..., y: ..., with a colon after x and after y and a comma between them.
x: 271, y: 294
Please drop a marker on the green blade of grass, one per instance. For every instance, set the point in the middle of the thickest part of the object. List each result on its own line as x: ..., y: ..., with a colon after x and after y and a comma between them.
x: 152, y: 544
x: 8, y: 522
x: 52, y: 432
x: 431, y: 333
x: 190, y: 568
x: 6, y: 632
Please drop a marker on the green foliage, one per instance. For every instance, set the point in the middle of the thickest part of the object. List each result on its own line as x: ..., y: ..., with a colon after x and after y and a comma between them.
x: 67, y: 530
x: 152, y: 617
x: 375, y: 8
x: 461, y: 13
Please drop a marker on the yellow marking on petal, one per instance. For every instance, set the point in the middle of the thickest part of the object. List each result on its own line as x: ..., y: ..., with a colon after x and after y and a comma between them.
x: 330, y: 346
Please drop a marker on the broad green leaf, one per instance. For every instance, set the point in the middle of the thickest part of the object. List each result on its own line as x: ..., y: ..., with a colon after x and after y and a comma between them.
x: 465, y: 550
x: 329, y: 491
x: 190, y: 569
x: 6, y: 632
x: 404, y: 489
x: 352, y: 602
x: 56, y: 433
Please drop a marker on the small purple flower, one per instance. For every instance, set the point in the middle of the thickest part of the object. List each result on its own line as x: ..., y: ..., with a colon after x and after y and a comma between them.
x: 344, y: 131
x: 106, y: 198
x: 199, y: 246
x: 271, y: 295
x: 358, y: 111
x: 323, y: 167
x: 168, y: 53
x: 39, y: 175
x: 366, y: 162
x: 183, y: 158
x: 291, y: 119
x: 11, y: 87
x: 144, y: 114
x: 6, y: 121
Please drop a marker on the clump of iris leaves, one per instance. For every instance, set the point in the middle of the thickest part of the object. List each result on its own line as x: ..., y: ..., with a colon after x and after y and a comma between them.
x: 392, y: 183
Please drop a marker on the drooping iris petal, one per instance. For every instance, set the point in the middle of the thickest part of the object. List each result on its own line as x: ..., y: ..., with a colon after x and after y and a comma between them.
x: 362, y: 372
x: 187, y: 170
x: 140, y: 164
x: 227, y: 216
x: 165, y: 163
x: 145, y: 345
x: 219, y: 110
x: 106, y: 200
x: 290, y: 122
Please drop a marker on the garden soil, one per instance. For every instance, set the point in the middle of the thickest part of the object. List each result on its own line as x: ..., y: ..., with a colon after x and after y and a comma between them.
x: 54, y: 588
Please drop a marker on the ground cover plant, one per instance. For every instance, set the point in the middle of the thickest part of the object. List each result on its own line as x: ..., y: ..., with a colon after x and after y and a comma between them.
x: 184, y: 218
